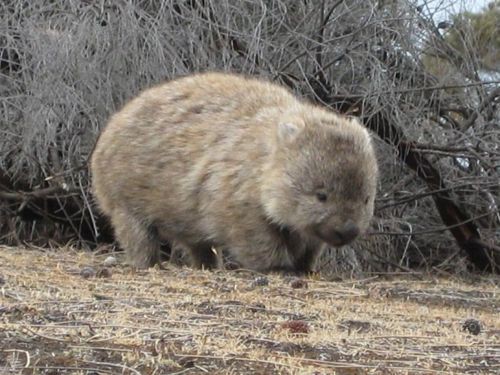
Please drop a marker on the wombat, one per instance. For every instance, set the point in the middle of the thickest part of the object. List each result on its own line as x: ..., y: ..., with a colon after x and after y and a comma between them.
x: 216, y: 160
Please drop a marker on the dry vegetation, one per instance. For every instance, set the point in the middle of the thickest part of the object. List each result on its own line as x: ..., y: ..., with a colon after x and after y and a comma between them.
x: 66, y: 66
x: 180, y: 321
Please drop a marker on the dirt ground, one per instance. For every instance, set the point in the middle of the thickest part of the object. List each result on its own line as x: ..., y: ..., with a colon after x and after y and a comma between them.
x: 64, y: 312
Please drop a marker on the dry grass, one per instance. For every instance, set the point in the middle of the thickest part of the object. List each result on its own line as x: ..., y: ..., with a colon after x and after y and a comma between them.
x: 54, y: 321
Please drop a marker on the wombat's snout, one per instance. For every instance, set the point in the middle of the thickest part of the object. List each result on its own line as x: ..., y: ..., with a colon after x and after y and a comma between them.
x: 337, y: 236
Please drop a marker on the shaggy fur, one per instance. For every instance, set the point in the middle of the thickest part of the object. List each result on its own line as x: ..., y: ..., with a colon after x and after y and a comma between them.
x: 226, y: 161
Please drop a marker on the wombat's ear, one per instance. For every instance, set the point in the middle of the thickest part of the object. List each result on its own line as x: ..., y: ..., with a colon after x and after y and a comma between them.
x: 287, y: 131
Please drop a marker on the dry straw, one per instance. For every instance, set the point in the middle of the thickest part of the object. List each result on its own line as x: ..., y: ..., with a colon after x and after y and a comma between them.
x: 179, y: 321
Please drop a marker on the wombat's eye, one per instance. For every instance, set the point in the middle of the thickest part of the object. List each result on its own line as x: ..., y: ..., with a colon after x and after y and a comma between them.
x: 321, y: 196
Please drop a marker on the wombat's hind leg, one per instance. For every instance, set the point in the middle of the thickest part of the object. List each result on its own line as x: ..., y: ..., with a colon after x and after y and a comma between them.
x: 202, y: 256
x: 139, y: 240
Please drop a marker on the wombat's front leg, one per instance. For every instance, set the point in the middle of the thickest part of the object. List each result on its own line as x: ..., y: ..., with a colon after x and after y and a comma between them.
x: 202, y: 256
x: 306, y: 263
x: 302, y: 266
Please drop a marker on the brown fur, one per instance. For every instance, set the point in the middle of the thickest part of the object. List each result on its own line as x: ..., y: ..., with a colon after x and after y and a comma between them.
x: 222, y: 160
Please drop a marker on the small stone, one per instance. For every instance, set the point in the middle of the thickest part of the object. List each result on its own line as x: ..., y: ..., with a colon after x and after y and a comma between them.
x: 473, y: 326
x: 258, y: 307
x: 354, y: 325
x: 110, y: 261
x: 298, y: 283
x: 87, y: 272
x: 260, y: 281
x: 104, y: 272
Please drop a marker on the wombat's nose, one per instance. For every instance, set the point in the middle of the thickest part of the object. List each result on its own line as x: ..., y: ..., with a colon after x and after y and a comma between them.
x: 348, y: 233
x: 336, y: 236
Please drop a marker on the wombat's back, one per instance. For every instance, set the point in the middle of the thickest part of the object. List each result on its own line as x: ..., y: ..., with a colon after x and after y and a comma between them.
x: 161, y: 146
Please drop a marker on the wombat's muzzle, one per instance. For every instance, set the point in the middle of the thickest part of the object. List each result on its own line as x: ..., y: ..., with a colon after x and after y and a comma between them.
x: 337, y: 236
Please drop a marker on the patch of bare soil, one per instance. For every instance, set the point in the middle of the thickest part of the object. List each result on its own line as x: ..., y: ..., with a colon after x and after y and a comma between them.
x: 59, y: 317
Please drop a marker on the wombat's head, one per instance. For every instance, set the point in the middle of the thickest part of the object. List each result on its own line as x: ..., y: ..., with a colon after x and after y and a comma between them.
x: 322, y: 179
